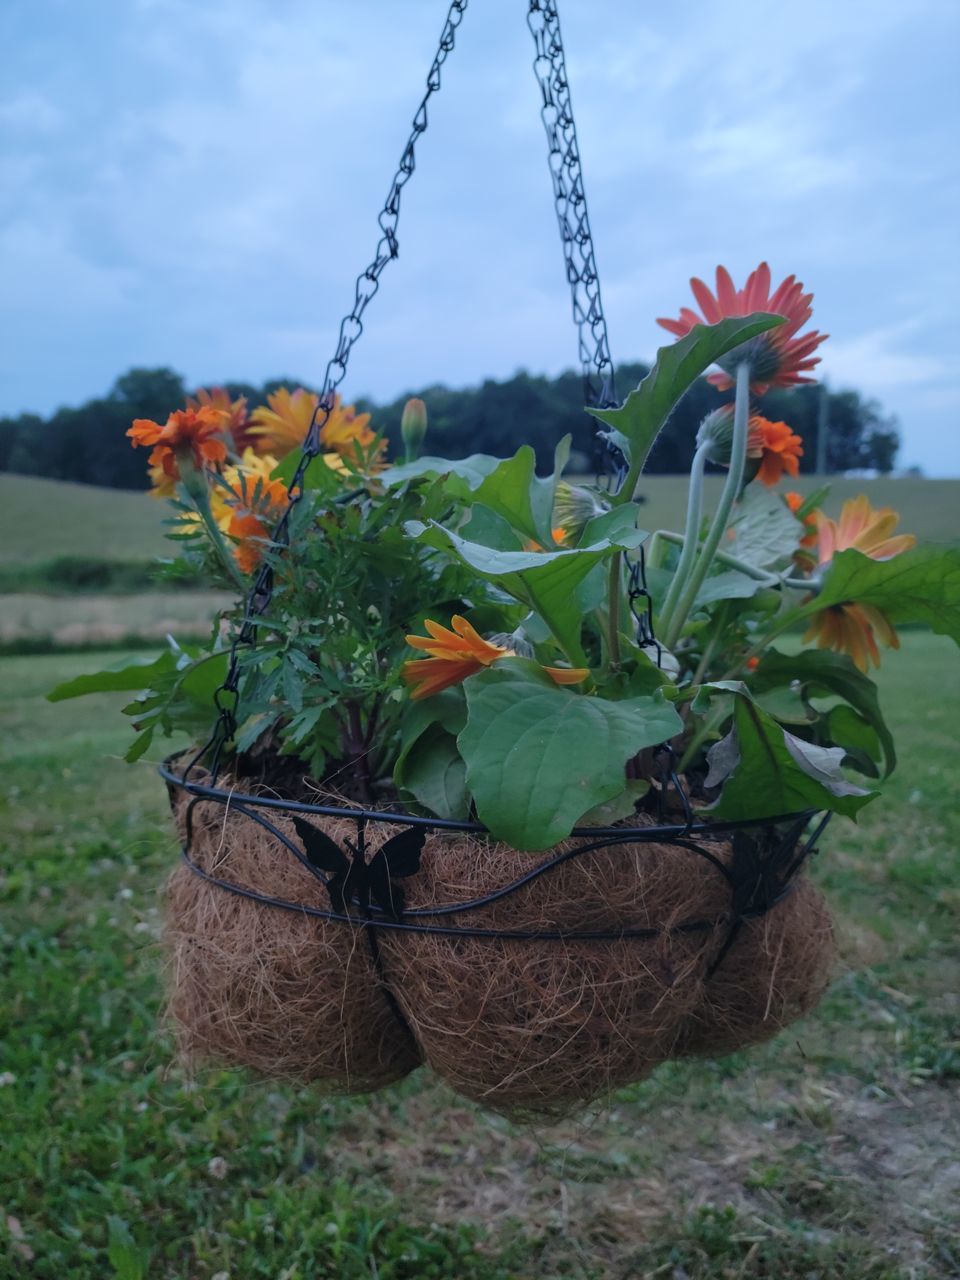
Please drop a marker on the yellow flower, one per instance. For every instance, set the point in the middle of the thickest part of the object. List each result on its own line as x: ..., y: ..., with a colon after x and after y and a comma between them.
x: 459, y: 653
x: 285, y: 424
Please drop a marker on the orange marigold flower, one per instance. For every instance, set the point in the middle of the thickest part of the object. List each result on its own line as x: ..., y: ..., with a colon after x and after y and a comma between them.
x: 459, y: 653
x: 849, y: 628
x: 187, y: 432
x: 779, y: 449
x: 862, y: 528
x: 795, y: 501
x: 778, y: 358
x: 234, y: 415
x: 254, y: 497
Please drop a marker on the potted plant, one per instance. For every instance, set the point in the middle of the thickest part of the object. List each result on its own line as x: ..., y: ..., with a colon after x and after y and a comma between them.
x: 573, y: 846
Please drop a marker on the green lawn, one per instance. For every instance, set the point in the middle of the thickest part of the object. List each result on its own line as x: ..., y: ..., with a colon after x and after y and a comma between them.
x: 831, y: 1153
x: 82, y: 520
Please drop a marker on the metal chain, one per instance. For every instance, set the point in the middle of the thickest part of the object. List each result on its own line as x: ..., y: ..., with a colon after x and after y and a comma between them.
x: 571, y: 204
x: 593, y: 343
x: 351, y: 327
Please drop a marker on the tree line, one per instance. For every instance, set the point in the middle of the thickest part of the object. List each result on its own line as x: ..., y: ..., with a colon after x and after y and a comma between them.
x: 88, y: 443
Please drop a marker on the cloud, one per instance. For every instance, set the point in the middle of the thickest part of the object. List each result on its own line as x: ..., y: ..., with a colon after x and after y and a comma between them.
x: 877, y: 361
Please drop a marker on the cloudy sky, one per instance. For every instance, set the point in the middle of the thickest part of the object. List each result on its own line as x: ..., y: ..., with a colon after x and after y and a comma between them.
x: 195, y: 183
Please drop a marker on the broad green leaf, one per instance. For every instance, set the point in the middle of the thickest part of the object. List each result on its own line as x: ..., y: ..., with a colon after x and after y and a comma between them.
x: 318, y: 476
x: 490, y: 530
x: 858, y: 738
x: 515, y: 492
x: 765, y: 531
x: 641, y: 417
x: 545, y: 581
x: 729, y: 584
x: 125, y: 676
x: 767, y: 771
x: 538, y: 757
x: 922, y: 585
x: 471, y: 471
x: 818, y: 672
x: 434, y: 773
x: 620, y: 807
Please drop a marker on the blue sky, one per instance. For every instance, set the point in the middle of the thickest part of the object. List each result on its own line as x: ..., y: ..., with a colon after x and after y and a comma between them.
x: 195, y: 183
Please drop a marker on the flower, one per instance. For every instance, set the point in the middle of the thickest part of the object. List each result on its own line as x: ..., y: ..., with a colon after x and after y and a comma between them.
x: 778, y: 358
x: 413, y: 427
x: 778, y: 448
x: 459, y: 653
x: 253, y: 497
x: 187, y: 433
x: 795, y: 501
x: 861, y: 528
x: 285, y: 424
x: 849, y: 628
x: 234, y: 415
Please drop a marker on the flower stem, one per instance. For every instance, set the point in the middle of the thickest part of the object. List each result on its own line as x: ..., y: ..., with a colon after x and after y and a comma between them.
x: 734, y: 562
x: 613, y: 611
x: 196, y: 487
x: 738, y: 459
x: 690, y: 536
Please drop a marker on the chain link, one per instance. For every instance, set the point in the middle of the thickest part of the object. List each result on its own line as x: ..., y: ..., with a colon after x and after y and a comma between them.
x: 570, y: 199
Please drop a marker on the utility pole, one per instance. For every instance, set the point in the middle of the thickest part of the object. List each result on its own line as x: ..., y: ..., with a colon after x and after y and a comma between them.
x: 823, y: 429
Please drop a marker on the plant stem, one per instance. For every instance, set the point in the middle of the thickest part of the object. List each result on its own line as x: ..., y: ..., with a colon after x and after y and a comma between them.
x: 196, y: 487
x: 738, y: 459
x: 613, y: 612
x: 691, y: 535
x: 708, y: 650
x: 742, y: 566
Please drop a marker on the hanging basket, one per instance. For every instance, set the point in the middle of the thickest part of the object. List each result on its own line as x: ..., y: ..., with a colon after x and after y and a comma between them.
x: 528, y: 982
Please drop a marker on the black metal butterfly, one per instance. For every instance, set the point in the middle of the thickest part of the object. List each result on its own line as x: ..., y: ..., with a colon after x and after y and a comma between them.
x: 354, y: 880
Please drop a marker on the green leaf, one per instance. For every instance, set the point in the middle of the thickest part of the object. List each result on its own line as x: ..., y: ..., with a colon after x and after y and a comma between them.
x: 857, y: 737
x: 766, y: 533
x: 128, y: 1259
x: 818, y: 672
x: 515, y: 492
x: 470, y: 471
x: 922, y: 585
x: 434, y: 773
x: 729, y: 584
x: 538, y: 757
x: 641, y: 417
x: 767, y: 771
x: 128, y: 675
x: 545, y: 581
x: 620, y: 807
x: 318, y: 475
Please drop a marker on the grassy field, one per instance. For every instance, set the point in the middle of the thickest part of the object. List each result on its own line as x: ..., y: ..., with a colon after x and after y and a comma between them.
x: 830, y: 1153
x: 86, y: 621
x: 81, y: 520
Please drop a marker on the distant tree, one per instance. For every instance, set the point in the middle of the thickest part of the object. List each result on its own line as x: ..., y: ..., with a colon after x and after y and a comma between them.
x: 89, y: 443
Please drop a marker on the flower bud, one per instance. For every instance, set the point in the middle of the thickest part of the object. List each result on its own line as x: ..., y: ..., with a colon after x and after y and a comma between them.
x: 413, y: 428
x: 573, y: 507
x: 716, y: 432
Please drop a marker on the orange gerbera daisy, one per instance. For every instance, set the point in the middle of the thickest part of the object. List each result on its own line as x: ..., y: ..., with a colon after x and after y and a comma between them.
x: 778, y: 358
x: 233, y: 413
x: 862, y: 528
x: 795, y: 501
x: 849, y: 628
x: 186, y: 433
x: 779, y: 449
x: 459, y: 653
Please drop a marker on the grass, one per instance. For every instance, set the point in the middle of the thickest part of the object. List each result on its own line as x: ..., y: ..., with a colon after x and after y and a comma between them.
x: 115, y: 525
x: 830, y: 1153
x: 40, y: 622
